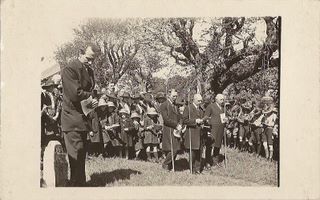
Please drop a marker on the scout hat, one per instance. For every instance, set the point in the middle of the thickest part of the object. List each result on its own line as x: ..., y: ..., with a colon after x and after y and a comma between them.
x: 152, y: 111
x: 180, y: 101
x: 110, y: 104
x: 102, y: 102
x: 125, y: 111
x: 49, y: 83
x: 160, y: 95
x: 135, y: 115
x: 125, y: 95
x: 147, y: 97
x: 112, y: 95
x: 136, y: 96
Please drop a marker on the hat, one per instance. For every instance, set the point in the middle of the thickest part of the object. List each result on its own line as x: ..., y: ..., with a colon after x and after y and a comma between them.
x: 160, y: 95
x: 102, y: 102
x: 147, y: 97
x: 135, y: 115
x: 125, y: 111
x: 110, y: 104
x: 49, y: 83
x: 275, y: 110
x: 136, y: 96
x: 267, y: 99
x: 180, y: 101
x: 125, y: 95
x: 112, y: 95
x: 152, y: 111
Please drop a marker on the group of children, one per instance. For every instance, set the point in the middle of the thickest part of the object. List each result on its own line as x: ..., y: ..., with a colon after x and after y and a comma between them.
x: 253, y: 125
x: 123, y: 129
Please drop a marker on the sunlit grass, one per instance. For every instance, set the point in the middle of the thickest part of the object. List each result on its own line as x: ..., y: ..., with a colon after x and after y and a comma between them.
x: 243, y: 169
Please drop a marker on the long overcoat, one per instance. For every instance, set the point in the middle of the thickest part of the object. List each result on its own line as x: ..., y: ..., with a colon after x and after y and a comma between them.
x: 217, y: 127
x: 171, y: 117
x: 190, y: 114
x: 78, y: 83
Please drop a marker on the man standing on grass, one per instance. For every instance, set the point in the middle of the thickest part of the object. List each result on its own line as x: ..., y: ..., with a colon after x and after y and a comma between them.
x: 78, y: 84
x: 170, y: 115
x: 214, y: 110
x: 192, y: 117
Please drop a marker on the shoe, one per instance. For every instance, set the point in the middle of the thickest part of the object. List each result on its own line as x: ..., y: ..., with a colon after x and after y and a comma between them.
x: 166, y: 167
x: 196, y: 172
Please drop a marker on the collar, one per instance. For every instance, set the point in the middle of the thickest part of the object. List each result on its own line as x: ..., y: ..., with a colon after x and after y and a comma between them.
x: 195, y: 105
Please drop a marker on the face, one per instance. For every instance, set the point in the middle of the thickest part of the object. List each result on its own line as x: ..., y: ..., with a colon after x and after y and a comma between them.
x: 111, y: 109
x: 88, y: 56
x: 173, y: 96
x: 197, y: 101
x: 220, y: 100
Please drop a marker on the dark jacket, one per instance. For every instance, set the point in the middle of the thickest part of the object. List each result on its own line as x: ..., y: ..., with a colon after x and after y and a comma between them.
x: 217, y: 127
x: 78, y: 84
x: 192, y: 127
x: 171, y: 119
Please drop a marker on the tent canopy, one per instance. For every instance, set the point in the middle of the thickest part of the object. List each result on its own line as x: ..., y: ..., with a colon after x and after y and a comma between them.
x: 50, y: 71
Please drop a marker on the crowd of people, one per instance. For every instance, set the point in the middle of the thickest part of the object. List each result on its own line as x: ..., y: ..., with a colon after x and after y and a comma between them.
x: 156, y: 127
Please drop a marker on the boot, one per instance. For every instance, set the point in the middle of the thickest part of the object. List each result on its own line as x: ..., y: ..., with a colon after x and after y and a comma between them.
x: 251, y: 148
x: 156, y: 156
x: 271, y: 155
x: 266, y: 152
x: 258, y: 150
x: 148, y: 156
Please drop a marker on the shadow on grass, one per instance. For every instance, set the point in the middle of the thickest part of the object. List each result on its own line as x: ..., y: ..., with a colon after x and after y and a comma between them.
x: 181, y: 164
x: 104, y: 178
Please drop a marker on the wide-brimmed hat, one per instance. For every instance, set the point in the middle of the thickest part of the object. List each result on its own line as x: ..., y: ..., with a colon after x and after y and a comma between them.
x: 49, y: 83
x: 180, y: 101
x: 160, y: 95
x: 147, y: 97
x: 110, y: 104
x: 135, y: 115
x: 102, y: 102
x: 152, y: 111
x: 136, y: 96
x: 267, y: 99
x: 112, y: 95
x: 125, y: 111
x: 125, y: 95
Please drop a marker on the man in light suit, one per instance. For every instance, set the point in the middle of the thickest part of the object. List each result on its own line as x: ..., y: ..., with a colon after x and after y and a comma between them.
x: 78, y: 84
x: 214, y: 110
x: 171, y: 118
x: 193, y: 118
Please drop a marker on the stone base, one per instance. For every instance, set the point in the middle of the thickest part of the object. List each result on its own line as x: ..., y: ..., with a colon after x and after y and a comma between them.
x: 55, y: 166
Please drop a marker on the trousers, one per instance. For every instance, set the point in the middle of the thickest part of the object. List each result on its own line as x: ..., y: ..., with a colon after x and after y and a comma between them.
x: 76, y: 146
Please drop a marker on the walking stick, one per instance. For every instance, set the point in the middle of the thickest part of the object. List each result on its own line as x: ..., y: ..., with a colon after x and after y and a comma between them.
x: 225, y: 138
x: 171, y: 144
x: 190, y: 143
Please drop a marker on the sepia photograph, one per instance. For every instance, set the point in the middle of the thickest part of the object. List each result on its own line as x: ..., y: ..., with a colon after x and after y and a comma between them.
x: 176, y: 101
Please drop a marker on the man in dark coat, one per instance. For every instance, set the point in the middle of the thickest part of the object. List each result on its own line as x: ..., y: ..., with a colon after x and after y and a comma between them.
x: 170, y: 115
x: 78, y: 83
x: 214, y: 110
x: 192, y: 117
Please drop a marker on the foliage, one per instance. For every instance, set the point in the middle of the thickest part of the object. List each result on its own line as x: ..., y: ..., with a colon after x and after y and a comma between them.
x: 221, y: 51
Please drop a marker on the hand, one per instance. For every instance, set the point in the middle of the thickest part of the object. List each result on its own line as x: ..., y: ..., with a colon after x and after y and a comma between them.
x: 125, y: 129
x: 179, y: 127
x: 93, y: 104
x: 91, y: 133
x: 199, y: 121
x: 150, y: 127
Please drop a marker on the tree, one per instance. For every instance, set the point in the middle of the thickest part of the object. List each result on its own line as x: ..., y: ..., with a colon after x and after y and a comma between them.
x: 118, y: 42
x: 220, y: 63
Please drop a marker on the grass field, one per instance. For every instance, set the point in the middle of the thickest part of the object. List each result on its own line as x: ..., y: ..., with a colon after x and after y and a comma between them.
x: 243, y: 169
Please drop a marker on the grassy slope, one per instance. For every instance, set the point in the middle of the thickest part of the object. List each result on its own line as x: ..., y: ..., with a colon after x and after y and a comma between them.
x: 243, y: 170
